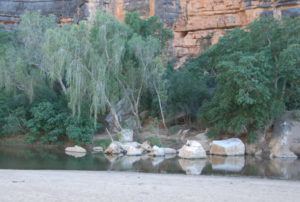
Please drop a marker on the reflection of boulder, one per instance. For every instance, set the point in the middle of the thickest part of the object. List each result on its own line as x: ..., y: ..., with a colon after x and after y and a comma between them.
x: 111, y: 158
x: 228, y: 147
x: 145, y: 157
x: 76, y: 148
x: 126, y: 162
x: 228, y: 163
x: 170, y: 156
x: 192, y: 166
x: 75, y: 154
x: 192, y: 150
x: 286, y: 168
x: 122, y: 162
x: 98, y: 149
x: 157, y: 160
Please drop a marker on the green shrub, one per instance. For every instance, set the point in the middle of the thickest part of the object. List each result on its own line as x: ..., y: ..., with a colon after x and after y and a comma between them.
x: 154, y: 141
x: 80, y: 130
x: 51, y: 123
x: 14, y: 123
x: 12, y: 114
x: 103, y: 143
x: 47, y: 122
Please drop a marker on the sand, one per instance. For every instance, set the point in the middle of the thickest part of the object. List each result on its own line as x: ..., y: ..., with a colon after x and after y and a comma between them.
x: 51, y: 185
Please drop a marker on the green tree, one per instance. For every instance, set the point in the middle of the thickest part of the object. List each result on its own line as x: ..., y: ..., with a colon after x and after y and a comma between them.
x: 256, y: 71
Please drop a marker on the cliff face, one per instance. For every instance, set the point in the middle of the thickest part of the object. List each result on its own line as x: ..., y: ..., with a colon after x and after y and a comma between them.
x: 196, y: 23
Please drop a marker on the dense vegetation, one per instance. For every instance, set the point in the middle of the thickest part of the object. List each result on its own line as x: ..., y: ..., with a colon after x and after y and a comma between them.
x: 64, y: 77
x: 58, y: 81
x: 256, y: 71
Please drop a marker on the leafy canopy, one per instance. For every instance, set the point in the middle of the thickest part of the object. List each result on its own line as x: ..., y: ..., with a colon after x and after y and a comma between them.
x: 257, y: 75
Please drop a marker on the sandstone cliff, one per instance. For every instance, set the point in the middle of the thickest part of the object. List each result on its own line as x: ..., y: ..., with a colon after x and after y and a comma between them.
x: 196, y: 23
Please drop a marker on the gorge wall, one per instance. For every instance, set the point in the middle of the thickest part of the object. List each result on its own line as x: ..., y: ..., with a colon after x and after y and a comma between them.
x: 197, y: 24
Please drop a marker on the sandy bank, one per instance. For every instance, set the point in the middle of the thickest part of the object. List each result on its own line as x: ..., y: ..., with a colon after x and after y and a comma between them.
x: 29, y: 185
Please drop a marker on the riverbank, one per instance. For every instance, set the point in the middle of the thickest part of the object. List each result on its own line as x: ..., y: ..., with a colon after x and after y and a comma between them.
x: 46, y: 185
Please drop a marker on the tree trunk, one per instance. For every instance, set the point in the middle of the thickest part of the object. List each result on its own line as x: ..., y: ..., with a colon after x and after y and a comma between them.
x: 114, y: 114
x: 160, y: 107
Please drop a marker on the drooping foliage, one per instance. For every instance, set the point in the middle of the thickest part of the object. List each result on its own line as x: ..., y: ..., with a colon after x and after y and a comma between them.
x: 70, y: 73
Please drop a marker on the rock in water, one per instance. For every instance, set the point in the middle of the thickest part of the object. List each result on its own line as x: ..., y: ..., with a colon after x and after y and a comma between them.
x: 114, y: 148
x: 146, y: 146
x: 170, y: 151
x: 126, y: 135
x: 295, y: 147
x: 192, y: 150
x: 134, y: 151
x: 126, y: 145
x: 98, y: 149
x: 76, y: 148
x: 286, y: 133
x: 229, y: 147
x: 156, y: 151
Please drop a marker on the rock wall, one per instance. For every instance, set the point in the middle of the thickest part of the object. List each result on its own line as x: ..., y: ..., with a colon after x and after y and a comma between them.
x: 197, y: 24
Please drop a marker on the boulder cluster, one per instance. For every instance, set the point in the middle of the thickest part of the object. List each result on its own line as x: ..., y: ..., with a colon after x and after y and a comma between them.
x: 191, y: 150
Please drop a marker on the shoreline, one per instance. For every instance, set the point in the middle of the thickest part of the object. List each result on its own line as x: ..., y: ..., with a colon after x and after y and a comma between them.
x: 66, y: 185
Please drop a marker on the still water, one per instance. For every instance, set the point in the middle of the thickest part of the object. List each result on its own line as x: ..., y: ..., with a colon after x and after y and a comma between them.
x: 32, y: 158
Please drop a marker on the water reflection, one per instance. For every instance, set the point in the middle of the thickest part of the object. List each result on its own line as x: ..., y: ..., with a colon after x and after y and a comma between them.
x: 192, y: 166
x: 157, y: 160
x: 287, y: 168
x: 75, y: 154
x: 170, y: 156
x: 228, y: 163
x: 28, y: 158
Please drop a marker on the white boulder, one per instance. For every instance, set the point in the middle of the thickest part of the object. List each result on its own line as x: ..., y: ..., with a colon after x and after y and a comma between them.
x: 229, y: 147
x: 127, y: 145
x: 76, y: 148
x: 170, y: 151
x: 286, y: 133
x: 192, y: 150
x: 146, y: 146
x: 98, y: 149
x: 134, y: 151
x: 114, y: 148
x: 156, y: 151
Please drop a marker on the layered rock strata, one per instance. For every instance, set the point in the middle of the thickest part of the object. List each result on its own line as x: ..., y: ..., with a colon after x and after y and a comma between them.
x: 197, y: 24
